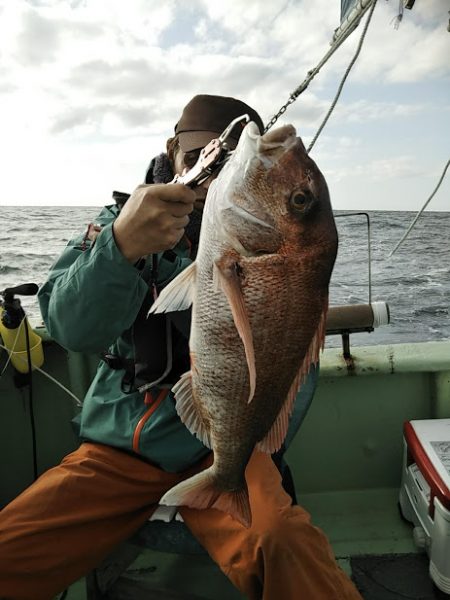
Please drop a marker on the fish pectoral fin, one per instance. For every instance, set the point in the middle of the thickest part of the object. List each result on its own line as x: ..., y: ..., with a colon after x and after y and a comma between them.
x: 178, y: 294
x: 200, y: 491
x: 187, y: 411
x: 226, y: 272
x: 276, y: 435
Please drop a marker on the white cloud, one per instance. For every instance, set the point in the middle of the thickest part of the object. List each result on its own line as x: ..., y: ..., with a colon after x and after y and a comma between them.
x: 382, y: 169
x: 417, y: 50
x: 364, y: 110
x: 81, y: 77
x: 39, y: 40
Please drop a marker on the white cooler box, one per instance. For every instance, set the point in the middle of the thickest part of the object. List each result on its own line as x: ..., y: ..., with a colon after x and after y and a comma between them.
x: 425, y: 492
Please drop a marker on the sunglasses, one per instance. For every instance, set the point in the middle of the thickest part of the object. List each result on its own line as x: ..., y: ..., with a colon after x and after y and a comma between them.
x: 191, y: 157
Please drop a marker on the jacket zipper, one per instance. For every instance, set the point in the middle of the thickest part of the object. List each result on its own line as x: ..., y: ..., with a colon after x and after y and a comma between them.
x: 152, y: 404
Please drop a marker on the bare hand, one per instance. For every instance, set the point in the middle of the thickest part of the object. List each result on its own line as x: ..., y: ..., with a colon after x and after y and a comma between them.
x: 153, y: 219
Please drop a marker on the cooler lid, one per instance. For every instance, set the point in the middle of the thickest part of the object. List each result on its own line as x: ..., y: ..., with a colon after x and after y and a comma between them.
x: 429, y: 443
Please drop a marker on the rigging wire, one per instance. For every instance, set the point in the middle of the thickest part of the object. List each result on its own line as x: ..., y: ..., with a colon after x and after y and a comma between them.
x: 346, y: 74
x: 338, y: 40
x: 421, y: 210
x: 55, y: 381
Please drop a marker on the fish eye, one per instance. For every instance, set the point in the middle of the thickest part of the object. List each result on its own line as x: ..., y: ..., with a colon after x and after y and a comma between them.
x: 301, y: 201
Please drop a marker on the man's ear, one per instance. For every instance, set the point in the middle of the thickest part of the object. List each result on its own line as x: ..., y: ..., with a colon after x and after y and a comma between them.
x: 171, y: 148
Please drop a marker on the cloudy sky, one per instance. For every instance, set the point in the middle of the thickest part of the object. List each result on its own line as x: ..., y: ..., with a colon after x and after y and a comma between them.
x: 90, y: 91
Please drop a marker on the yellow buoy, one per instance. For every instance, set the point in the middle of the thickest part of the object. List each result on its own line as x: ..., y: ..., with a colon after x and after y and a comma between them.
x: 15, y: 342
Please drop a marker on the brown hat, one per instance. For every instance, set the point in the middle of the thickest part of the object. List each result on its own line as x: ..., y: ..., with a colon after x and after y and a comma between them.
x: 205, y: 117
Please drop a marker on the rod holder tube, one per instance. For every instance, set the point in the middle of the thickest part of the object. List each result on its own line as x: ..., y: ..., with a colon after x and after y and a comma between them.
x: 357, y: 317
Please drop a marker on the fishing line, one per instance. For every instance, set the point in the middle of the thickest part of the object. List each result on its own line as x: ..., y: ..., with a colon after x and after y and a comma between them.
x: 55, y: 381
x: 421, y: 210
x: 346, y: 74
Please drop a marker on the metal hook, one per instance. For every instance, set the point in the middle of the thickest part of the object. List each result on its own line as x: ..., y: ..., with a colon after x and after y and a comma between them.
x: 226, y: 133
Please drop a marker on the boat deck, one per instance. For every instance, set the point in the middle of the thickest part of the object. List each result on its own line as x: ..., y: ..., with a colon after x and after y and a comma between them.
x: 370, y: 539
x: 345, y: 461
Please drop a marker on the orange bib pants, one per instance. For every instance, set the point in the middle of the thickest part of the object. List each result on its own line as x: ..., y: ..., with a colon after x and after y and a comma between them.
x: 75, y: 514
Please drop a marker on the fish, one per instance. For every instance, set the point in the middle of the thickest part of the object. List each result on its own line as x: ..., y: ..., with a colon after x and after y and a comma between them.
x: 259, y: 294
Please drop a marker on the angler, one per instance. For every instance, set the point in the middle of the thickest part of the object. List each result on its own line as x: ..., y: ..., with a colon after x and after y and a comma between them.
x: 134, y: 446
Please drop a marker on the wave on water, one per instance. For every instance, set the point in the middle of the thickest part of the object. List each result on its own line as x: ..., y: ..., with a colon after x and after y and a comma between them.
x: 415, y: 281
x: 5, y: 270
x: 431, y: 310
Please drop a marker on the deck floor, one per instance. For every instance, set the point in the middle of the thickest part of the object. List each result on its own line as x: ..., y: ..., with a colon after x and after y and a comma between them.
x: 365, y: 530
x: 394, y: 577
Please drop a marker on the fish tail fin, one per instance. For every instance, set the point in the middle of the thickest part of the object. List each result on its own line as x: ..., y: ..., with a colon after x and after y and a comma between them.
x: 201, y: 491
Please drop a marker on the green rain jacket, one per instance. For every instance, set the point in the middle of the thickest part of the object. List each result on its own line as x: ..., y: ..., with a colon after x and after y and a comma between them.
x: 91, y: 298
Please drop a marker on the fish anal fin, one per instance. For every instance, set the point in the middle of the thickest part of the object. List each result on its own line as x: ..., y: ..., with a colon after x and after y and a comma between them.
x: 187, y: 409
x: 178, y: 294
x: 274, y: 439
x: 200, y: 491
x: 226, y: 272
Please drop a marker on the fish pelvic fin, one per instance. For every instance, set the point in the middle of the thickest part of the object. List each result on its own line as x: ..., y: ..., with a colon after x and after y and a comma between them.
x: 201, y: 491
x: 229, y: 282
x: 277, y: 433
x: 187, y: 409
x: 178, y: 294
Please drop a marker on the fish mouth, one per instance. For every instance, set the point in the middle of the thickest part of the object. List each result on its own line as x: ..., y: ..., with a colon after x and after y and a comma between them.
x: 276, y: 142
x: 283, y: 137
x: 272, y: 144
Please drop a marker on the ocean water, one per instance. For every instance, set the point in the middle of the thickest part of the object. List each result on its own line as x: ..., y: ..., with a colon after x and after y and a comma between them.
x: 415, y: 282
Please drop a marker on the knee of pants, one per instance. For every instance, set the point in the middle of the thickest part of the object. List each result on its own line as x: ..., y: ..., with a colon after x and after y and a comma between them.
x: 275, y: 537
x: 285, y: 529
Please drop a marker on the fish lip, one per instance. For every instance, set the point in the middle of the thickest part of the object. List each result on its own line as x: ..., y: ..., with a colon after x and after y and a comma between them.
x: 252, y: 130
x: 266, y: 147
x: 283, y: 137
x: 277, y: 141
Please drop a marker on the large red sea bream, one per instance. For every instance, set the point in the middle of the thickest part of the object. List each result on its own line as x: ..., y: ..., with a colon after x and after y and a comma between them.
x: 259, y: 295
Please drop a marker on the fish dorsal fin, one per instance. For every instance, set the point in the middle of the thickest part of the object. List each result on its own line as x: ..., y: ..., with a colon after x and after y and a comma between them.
x: 187, y: 411
x: 178, y: 294
x: 277, y: 433
x: 230, y: 284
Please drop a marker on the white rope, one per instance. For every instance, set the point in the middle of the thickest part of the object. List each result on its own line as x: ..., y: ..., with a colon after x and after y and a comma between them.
x: 340, y: 35
x: 421, y: 210
x: 341, y: 85
x: 77, y: 400
x: 10, y: 352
